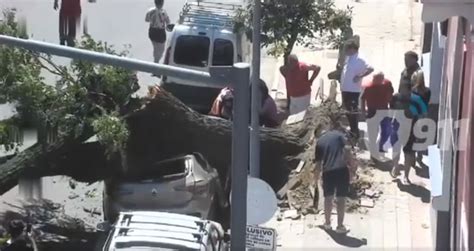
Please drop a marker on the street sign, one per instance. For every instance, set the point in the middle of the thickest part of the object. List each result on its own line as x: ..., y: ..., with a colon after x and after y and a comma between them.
x: 261, y: 238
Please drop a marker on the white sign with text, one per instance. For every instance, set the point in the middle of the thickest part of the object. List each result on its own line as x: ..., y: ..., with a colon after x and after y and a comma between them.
x: 261, y: 238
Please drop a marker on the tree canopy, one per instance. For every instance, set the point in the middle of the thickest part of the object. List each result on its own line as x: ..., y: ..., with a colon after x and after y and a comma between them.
x: 85, y: 95
x: 288, y: 22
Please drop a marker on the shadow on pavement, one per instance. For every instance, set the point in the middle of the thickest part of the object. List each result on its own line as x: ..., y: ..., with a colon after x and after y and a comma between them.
x: 346, y: 240
x: 385, y: 166
x: 416, y: 190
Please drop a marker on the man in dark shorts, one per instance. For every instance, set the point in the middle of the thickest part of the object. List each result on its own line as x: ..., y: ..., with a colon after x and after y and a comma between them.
x: 334, y: 159
x: 414, y: 108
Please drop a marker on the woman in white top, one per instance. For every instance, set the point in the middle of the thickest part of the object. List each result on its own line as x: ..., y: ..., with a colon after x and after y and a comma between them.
x: 158, y: 19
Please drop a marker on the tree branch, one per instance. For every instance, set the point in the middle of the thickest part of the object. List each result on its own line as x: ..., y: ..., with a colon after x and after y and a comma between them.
x: 58, y: 71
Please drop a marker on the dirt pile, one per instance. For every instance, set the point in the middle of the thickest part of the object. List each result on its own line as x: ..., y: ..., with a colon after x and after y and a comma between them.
x: 301, y: 195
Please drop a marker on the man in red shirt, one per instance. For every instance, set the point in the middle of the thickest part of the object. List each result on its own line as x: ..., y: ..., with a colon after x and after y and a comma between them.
x: 69, y: 18
x: 298, y: 86
x: 376, y: 96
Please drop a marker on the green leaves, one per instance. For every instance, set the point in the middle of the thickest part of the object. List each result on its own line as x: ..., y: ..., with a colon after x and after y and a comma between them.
x: 112, y: 132
x: 287, y: 22
x: 10, y: 135
x: 85, y: 95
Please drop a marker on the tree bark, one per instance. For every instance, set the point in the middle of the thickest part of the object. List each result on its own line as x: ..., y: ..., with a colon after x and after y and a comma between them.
x: 164, y: 127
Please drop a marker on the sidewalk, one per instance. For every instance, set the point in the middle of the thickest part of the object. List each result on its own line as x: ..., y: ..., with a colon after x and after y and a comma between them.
x: 384, y: 30
x: 400, y: 218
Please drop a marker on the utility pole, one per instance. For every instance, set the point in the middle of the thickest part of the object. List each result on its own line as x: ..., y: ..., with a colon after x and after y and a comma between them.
x: 240, y: 156
x: 256, y: 95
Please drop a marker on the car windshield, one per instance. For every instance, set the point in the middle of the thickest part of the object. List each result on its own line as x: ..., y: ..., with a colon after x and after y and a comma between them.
x: 223, y: 52
x: 175, y: 167
x: 192, y: 51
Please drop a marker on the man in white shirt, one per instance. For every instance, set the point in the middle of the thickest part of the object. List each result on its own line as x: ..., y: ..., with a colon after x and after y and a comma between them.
x: 354, y: 70
x: 158, y: 19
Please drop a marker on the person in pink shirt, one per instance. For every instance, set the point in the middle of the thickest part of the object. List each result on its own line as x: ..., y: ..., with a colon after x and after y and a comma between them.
x: 223, y: 104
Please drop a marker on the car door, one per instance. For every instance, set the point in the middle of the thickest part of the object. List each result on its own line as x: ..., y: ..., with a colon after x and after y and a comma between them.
x: 224, y: 50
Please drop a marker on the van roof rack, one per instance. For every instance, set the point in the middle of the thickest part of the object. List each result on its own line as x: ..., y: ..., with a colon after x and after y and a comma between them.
x: 209, y: 14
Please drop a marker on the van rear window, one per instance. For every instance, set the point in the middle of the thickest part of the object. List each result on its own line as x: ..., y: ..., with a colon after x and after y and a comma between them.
x: 223, y: 52
x: 192, y: 51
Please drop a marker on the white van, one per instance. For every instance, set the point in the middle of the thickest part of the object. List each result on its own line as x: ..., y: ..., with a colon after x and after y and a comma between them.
x: 203, y: 37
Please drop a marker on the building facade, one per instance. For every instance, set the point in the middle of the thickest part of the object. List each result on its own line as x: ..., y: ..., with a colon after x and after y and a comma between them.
x: 449, y: 61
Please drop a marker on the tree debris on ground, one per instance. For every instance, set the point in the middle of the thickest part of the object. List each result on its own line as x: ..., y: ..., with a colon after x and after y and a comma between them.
x: 302, y: 193
x: 52, y: 229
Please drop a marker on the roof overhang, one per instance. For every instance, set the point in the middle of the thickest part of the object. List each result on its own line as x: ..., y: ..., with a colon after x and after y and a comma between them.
x: 440, y: 10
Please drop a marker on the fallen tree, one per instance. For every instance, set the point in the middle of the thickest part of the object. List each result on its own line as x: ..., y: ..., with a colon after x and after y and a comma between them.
x: 162, y: 128
x: 91, y: 99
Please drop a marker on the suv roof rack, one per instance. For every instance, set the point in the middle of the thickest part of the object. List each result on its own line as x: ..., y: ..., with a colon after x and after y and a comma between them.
x: 143, y: 224
x: 209, y: 14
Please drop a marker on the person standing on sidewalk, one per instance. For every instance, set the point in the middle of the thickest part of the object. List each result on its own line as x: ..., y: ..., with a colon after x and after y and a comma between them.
x: 411, y: 68
x: 158, y: 19
x: 354, y: 70
x: 377, y: 96
x: 69, y: 18
x: 414, y: 108
x: 334, y: 158
x: 298, y: 86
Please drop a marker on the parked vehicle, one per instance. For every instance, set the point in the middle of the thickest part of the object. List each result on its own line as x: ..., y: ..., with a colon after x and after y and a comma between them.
x: 185, y: 184
x: 162, y: 231
x: 203, y: 37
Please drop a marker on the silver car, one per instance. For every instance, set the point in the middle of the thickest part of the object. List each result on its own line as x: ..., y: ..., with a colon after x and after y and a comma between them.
x: 143, y: 230
x: 185, y: 185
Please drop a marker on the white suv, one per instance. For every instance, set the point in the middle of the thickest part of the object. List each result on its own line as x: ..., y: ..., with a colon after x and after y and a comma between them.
x: 204, y: 37
x: 153, y: 231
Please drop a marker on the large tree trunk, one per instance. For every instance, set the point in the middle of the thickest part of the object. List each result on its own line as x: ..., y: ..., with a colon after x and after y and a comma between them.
x: 167, y: 127
x: 162, y: 128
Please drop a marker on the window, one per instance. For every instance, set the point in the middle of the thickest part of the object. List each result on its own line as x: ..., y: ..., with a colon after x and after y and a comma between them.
x: 192, y: 51
x: 223, y: 52
x: 444, y: 27
x: 427, y: 36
